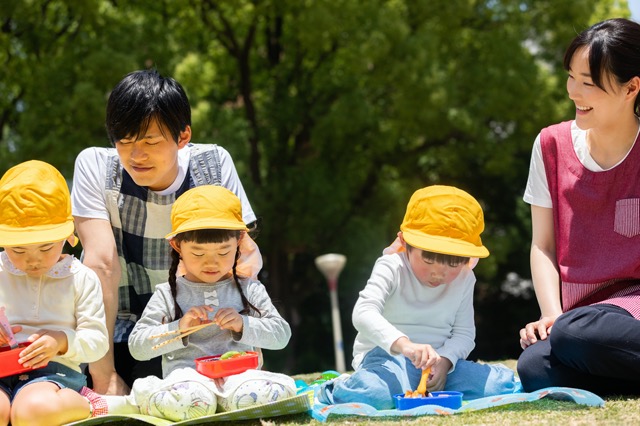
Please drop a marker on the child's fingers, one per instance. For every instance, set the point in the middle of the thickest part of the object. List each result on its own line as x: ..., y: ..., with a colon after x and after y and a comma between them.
x: 200, y: 312
x: 223, y: 313
x: 229, y: 319
x: 33, y: 337
x: 223, y: 316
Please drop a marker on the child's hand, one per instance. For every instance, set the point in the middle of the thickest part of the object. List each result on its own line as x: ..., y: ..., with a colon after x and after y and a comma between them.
x: 541, y: 328
x: 45, y: 344
x: 4, y: 340
x: 229, y: 319
x: 421, y: 355
x: 438, y: 376
x: 195, y: 316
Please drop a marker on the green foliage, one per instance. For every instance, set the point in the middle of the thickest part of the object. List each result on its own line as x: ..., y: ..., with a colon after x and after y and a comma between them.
x: 334, y: 111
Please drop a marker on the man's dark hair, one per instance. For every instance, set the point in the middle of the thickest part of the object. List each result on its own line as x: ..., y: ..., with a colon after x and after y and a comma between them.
x: 142, y: 96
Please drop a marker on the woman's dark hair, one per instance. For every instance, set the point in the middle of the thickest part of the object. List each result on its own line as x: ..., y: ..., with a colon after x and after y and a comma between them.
x: 142, y: 96
x: 614, y: 50
x: 205, y: 236
x: 445, y: 259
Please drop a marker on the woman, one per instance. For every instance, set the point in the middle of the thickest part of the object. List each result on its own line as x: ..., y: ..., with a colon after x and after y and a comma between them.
x: 584, y: 191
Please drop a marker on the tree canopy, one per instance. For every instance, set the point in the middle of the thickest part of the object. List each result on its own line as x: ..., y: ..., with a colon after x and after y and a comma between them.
x: 334, y: 111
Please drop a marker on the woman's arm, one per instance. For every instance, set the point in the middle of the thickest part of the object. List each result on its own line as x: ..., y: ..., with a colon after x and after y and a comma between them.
x: 544, y: 267
x: 545, y: 276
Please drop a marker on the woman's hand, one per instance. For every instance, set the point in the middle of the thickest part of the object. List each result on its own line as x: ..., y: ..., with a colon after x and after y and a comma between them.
x: 45, y: 344
x: 438, y: 376
x: 536, y: 330
x: 229, y: 319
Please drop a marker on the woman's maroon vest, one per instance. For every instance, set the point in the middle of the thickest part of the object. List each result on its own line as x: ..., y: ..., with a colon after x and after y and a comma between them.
x: 597, y: 224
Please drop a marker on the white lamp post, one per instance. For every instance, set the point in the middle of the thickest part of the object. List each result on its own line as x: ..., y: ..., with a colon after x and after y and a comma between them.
x: 331, y: 265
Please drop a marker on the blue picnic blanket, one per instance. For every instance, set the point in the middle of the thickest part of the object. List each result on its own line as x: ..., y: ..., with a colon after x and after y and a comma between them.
x: 322, y: 412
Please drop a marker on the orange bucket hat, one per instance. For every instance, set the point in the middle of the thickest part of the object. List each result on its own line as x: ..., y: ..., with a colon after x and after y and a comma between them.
x: 35, y: 205
x: 444, y: 219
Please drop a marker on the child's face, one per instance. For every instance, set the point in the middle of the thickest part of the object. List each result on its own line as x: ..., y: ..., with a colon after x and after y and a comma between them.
x: 208, y: 262
x: 35, y: 259
x: 152, y: 160
x: 431, y: 273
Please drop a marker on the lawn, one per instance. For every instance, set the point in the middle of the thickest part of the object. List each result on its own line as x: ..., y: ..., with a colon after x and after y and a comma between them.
x: 617, y: 411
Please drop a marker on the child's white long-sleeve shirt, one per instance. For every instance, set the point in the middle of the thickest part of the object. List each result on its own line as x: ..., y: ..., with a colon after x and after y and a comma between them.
x: 394, y: 304
x: 67, y: 298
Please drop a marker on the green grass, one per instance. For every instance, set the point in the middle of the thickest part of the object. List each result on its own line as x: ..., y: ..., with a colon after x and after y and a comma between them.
x: 543, y: 412
x: 617, y: 411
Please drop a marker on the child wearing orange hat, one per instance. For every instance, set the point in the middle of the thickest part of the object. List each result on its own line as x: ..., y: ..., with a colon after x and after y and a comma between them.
x: 51, y: 300
x: 416, y: 311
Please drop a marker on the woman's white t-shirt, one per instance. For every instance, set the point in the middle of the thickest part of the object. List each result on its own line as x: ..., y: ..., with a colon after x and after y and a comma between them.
x: 537, y: 190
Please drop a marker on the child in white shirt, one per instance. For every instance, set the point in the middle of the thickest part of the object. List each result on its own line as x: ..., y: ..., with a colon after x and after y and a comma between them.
x: 51, y: 300
x: 416, y: 311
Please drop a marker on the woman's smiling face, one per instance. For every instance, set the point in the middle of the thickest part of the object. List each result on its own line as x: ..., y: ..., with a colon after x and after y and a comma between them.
x: 595, y: 108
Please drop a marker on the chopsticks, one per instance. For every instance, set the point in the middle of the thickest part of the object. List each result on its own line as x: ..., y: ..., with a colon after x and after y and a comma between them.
x: 184, y: 332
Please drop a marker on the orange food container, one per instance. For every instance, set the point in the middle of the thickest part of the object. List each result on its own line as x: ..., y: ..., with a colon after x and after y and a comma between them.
x: 214, y: 367
x: 9, y: 360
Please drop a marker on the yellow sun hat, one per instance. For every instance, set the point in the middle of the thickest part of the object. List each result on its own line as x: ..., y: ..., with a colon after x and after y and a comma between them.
x: 206, y: 207
x: 444, y: 219
x: 35, y: 205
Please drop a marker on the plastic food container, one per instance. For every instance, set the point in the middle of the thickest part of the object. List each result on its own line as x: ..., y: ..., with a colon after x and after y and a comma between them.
x: 450, y: 399
x: 214, y: 367
x: 9, y: 360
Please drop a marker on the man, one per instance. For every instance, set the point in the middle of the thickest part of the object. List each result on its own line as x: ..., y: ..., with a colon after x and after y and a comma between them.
x: 122, y: 199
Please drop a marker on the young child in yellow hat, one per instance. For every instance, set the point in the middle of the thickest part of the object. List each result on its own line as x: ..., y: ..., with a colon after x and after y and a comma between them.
x: 416, y: 311
x: 50, y: 299
x: 215, y: 284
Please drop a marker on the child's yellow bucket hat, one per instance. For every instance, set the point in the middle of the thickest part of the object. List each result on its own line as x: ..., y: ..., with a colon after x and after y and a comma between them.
x: 444, y: 219
x: 206, y: 207
x: 35, y: 205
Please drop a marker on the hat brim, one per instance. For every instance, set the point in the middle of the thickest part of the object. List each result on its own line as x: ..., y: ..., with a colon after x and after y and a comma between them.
x: 40, y: 234
x: 207, y: 223
x: 444, y: 245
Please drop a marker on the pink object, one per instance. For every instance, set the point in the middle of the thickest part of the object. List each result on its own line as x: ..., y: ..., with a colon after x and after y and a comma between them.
x: 9, y: 360
x: 596, y: 224
x: 214, y: 367
x: 6, y: 329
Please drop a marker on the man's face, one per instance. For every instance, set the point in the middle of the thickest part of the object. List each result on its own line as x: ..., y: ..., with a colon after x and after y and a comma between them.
x: 152, y: 159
